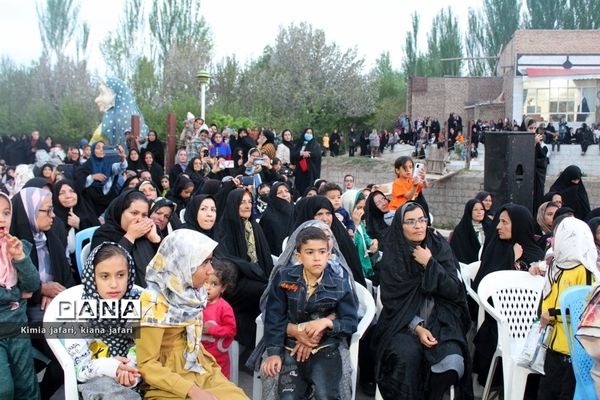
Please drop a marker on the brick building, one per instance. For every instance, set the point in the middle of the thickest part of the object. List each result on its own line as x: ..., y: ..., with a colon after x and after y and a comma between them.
x: 542, y: 74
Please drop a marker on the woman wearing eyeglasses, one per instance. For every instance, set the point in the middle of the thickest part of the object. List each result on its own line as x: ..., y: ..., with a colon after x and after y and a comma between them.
x: 421, y: 334
x: 33, y: 220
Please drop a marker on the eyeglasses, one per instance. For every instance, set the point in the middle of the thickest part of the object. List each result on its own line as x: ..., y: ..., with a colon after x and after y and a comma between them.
x: 413, y: 222
x: 381, y: 201
x: 48, y: 210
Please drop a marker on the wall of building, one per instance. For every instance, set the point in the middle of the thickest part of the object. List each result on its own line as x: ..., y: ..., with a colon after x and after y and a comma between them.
x: 438, y: 97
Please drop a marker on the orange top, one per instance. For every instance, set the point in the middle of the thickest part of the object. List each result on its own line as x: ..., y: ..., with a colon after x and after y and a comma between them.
x: 401, y: 187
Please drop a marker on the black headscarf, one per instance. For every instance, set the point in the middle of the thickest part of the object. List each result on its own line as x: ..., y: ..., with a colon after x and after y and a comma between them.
x: 481, y: 196
x: 593, y: 214
x: 156, y: 171
x: 39, y: 182
x: 84, y: 210
x: 175, y: 195
x: 252, y: 277
x: 305, y: 210
x: 277, y: 219
x: 174, y: 222
x: 197, y: 177
x: 137, y: 165
x: 211, y: 186
x: 405, y: 286
x: 190, y: 218
x: 498, y: 254
x: 157, y: 148
x: 230, y: 234
x: 142, y: 250
x: 574, y: 194
x: 464, y: 242
x: 56, y: 242
x: 594, y: 223
x: 376, y: 226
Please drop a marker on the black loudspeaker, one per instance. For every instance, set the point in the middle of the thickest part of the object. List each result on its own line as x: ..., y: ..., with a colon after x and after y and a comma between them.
x: 510, y: 167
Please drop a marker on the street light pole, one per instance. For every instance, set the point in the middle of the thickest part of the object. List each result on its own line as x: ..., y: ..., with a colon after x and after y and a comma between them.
x: 203, y: 77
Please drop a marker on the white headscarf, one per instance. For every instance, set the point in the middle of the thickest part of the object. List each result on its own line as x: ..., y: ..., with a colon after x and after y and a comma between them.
x: 573, y: 245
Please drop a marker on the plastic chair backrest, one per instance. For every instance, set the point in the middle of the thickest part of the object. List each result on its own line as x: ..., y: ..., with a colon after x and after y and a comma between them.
x: 515, y: 296
x: 57, y: 345
x: 572, y: 303
x: 81, y: 237
x: 83, y: 255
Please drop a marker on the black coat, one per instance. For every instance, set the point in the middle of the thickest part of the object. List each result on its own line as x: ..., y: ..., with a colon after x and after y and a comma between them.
x: 277, y: 220
x: 307, y: 178
x: 405, y: 287
x: 464, y: 241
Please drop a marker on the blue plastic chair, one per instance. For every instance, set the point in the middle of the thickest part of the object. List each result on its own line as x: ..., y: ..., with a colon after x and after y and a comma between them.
x: 81, y: 238
x: 572, y: 303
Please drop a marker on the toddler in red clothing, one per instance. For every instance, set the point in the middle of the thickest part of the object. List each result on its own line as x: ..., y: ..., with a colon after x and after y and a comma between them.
x: 219, y: 329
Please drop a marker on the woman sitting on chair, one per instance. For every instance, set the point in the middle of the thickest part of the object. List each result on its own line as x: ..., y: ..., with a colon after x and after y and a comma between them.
x: 421, y: 335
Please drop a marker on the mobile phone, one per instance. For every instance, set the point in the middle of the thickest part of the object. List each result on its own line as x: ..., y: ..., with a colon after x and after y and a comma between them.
x: 417, y: 169
x: 227, y: 164
x: 247, y: 180
x: 204, y: 153
x: 259, y: 161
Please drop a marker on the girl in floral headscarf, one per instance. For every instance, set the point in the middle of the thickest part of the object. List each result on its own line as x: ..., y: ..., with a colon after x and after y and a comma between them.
x: 170, y: 356
x: 106, y: 364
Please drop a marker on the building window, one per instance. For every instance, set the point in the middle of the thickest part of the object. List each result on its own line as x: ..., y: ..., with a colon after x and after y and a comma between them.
x: 553, y: 99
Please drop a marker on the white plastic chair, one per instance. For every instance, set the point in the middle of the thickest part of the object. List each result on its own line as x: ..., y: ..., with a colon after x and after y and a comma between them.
x: 57, y: 345
x: 516, y: 296
x: 234, y: 360
x: 366, y: 304
x: 467, y: 274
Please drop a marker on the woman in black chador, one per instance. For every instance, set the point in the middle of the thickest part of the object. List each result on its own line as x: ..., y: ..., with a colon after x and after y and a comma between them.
x: 421, y: 334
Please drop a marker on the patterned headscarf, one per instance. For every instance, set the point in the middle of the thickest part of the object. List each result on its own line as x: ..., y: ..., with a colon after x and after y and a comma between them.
x: 118, y: 343
x: 32, y: 199
x: 8, y: 273
x: 117, y: 119
x: 170, y: 299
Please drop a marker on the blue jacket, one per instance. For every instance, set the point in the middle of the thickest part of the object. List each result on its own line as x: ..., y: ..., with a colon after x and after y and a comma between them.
x: 287, y: 302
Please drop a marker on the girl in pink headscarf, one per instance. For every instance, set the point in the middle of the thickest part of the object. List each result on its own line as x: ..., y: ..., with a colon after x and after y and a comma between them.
x: 18, y: 280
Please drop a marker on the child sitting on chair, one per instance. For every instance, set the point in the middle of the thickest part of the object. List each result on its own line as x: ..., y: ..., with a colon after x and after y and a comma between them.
x: 219, y: 326
x: 306, y: 294
x: 106, y: 364
x: 18, y: 280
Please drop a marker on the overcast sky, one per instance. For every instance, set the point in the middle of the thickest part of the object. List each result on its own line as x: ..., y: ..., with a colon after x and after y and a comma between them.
x: 245, y: 27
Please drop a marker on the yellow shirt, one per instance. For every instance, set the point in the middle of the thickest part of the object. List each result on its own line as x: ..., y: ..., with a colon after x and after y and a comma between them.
x: 569, y: 277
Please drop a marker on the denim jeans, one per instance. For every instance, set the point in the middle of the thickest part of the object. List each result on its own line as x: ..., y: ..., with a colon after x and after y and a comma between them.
x: 319, y: 375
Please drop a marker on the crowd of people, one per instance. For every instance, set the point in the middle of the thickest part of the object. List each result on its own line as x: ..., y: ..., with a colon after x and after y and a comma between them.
x: 241, y: 225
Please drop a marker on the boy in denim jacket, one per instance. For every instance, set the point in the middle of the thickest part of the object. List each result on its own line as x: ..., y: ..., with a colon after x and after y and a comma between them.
x: 320, y: 307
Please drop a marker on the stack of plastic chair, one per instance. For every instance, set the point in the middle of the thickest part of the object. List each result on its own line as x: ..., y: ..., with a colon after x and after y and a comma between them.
x: 572, y: 304
x: 515, y: 296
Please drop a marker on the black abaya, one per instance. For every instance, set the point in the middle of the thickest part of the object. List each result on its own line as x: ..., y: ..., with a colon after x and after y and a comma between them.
x: 277, y: 219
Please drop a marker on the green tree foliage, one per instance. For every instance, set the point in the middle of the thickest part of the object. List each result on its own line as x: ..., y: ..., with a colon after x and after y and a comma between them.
x: 302, y: 80
x: 582, y: 14
x: 391, y: 87
x: 545, y: 14
x: 57, y: 100
x: 496, y: 24
x: 123, y: 48
x: 413, y: 64
x: 444, y: 41
x: 57, y: 22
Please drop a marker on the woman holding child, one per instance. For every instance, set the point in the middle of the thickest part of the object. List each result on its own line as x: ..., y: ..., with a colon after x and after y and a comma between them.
x: 421, y: 335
